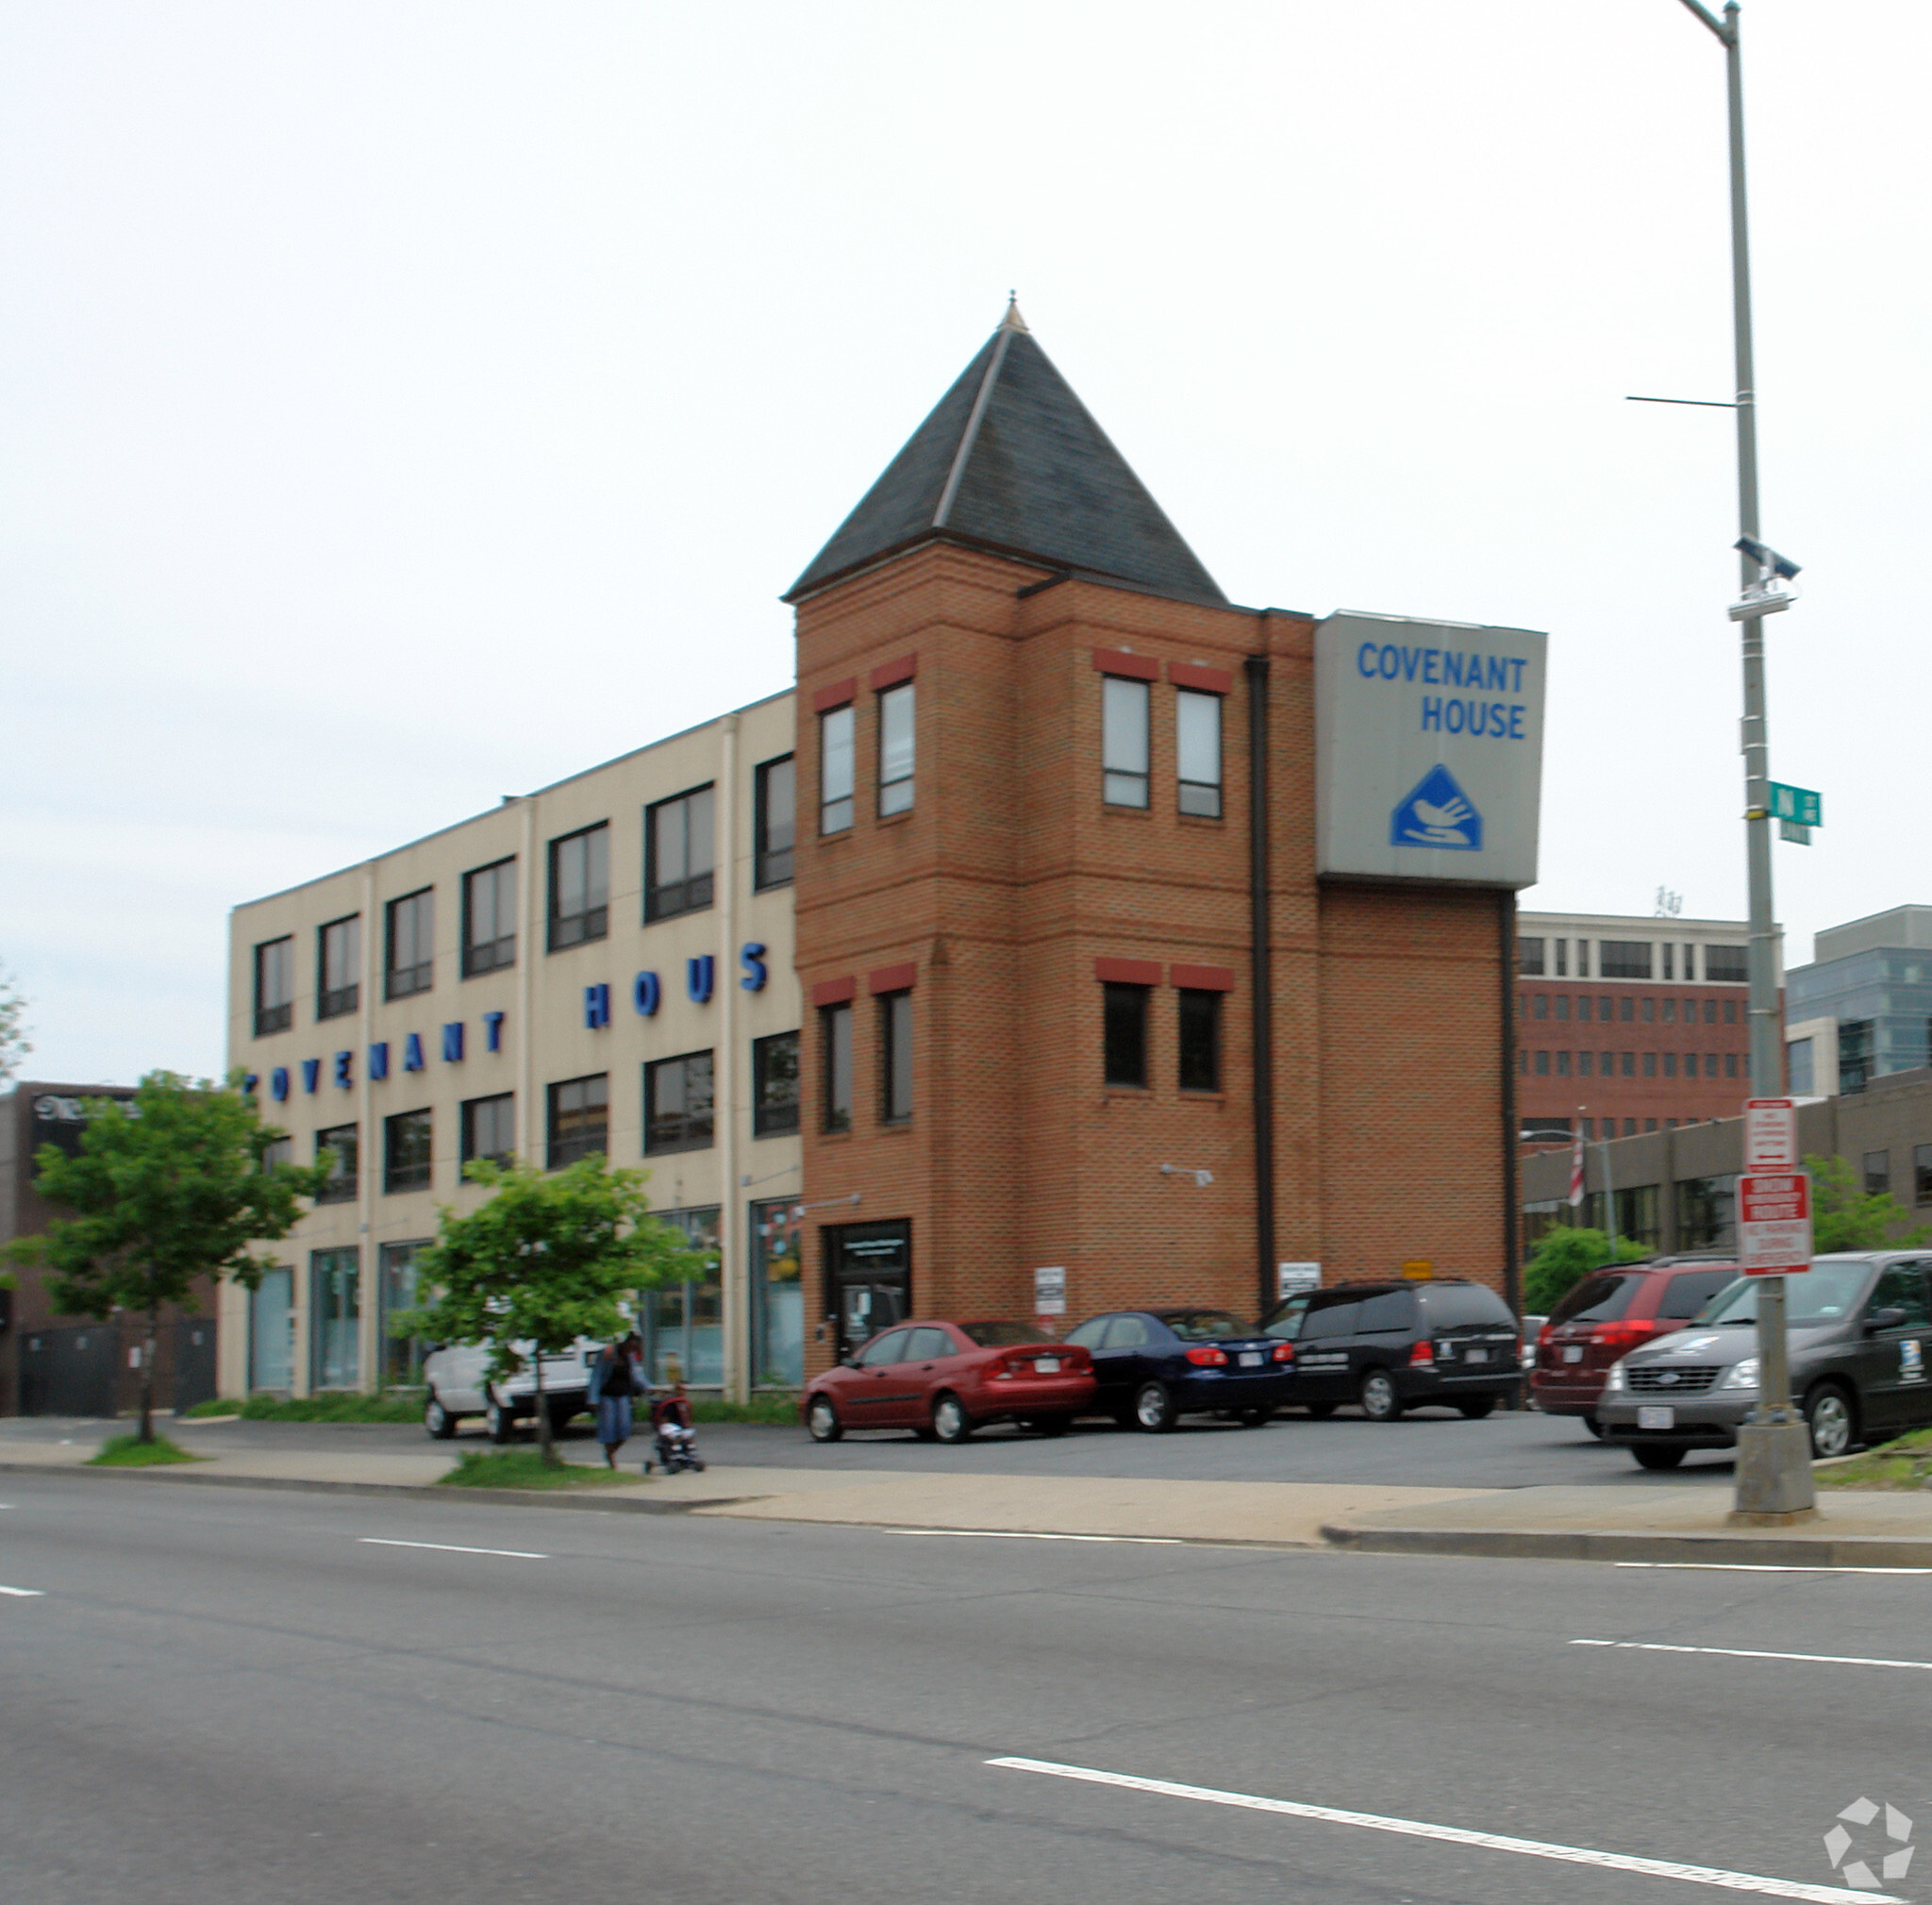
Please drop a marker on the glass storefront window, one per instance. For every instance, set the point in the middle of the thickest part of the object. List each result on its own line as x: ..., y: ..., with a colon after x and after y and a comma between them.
x: 402, y: 1355
x: 777, y: 1293
x: 683, y: 1333
x: 272, y: 1330
x: 335, y: 1315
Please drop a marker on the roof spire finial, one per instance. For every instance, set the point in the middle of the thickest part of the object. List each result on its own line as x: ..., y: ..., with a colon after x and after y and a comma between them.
x: 1014, y: 321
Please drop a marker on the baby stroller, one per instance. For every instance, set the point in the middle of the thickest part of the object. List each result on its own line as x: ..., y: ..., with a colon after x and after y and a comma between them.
x: 675, y: 1440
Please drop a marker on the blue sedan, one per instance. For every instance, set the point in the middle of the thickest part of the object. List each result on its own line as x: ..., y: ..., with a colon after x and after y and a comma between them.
x: 1153, y: 1366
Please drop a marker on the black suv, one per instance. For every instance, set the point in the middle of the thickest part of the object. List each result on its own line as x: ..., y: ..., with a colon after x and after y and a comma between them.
x: 1392, y: 1346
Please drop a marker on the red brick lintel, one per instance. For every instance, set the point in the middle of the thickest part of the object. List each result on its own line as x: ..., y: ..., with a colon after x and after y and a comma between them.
x: 1191, y: 675
x: 837, y: 695
x: 898, y: 978
x: 834, y: 991
x: 1127, y: 972
x: 1118, y: 661
x: 1201, y: 978
x: 889, y: 674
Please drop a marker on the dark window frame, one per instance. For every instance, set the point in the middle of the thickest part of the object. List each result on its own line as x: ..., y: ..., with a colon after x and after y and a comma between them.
x: 774, y: 865
x: 694, y: 889
x: 336, y: 1002
x: 1120, y: 785
x: 836, y: 1106
x: 277, y: 1014
x: 419, y: 976
x: 1619, y: 959
x: 774, y: 1117
x: 589, y: 1139
x: 472, y: 1149
x: 839, y: 812
x: 1125, y: 1039
x: 895, y: 1017
x: 686, y: 1129
x: 888, y: 794
x: 1202, y: 799
x: 592, y: 921
x: 1198, y: 1046
x: 492, y: 955
x: 344, y: 1183
x: 411, y: 1172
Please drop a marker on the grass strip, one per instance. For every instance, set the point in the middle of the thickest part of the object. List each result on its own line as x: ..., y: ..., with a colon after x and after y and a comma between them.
x: 1899, y: 1465
x: 525, y: 1468
x: 394, y: 1405
x: 773, y: 1411
x: 129, y: 1451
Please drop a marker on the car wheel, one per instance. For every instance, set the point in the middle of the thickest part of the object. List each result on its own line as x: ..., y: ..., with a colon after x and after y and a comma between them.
x: 502, y: 1421
x: 1319, y: 1411
x: 1658, y: 1454
x: 821, y: 1420
x: 1475, y: 1406
x: 1830, y: 1416
x: 1378, y: 1398
x: 1047, y: 1425
x: 437, y: 1421
x: 1595, y: 1428
x: 1252, y: 1418
x: 950, y: 1422
x: 1154, y: 1408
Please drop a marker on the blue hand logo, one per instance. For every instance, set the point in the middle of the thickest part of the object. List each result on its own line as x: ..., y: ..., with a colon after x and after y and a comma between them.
x: 1435, y: 812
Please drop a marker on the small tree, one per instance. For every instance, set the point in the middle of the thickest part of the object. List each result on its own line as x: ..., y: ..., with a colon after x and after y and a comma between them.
x: 14, y: 1041
x: 168, y: 1187
x: 1563, y: 1258
x: 543, y: 1261
x: 1846, y: 1217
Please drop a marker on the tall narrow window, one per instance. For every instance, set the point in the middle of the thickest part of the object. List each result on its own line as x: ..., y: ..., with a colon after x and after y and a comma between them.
x: 1562, y: 958
x: 896, y: 739
x: 1200, y: 1041
x: 489, y: 918
x: 406, y: 1151
x: 835, y: 1049
x: 1668, y: 951
x: 274, y: 986
x: 1123, y: 741
x: 774, y: 1085
x: 410, y: 936
x: 1197, y: 751
x: 678, y: 859
x: 581, y: 887
x: 335, y: 1313
x: 1125, y: 1034
x: 896, y: 1058
x: 677, y: 1103
x: 490, y: 1129
x: 339, y: 1186
x: 836, y: 764
x: 340, y: 968
x: 776, y: 811
x: 579, y: 1119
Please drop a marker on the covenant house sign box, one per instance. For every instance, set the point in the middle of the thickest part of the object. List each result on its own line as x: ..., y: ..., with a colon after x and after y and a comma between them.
x: 1429, y: 750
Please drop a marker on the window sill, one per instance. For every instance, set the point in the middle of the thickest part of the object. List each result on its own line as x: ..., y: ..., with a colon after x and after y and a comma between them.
x: 1132, y: 1093
x: 1112, y: 807
x: 1202, y: 819
x: 1197, y: 1094
x: 894, y: 819
x: 835, y: 1137
x: 889, y: 1125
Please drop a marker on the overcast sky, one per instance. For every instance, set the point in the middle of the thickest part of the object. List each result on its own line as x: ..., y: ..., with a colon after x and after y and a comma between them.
x: 404, y: 405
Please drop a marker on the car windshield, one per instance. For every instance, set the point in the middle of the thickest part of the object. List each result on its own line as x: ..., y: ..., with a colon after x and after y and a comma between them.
x: 1201, y: 1326
x: 1601, y: 1298
x: 998, y: 1335
x: 1825, y: 1294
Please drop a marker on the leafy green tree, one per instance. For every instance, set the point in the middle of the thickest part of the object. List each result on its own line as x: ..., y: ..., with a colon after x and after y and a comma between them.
x: 1563, y: 1258
x: 13, y: 1042
x: 546, y: 1261
x: 167, y: 1187
x: 1844, y: 1216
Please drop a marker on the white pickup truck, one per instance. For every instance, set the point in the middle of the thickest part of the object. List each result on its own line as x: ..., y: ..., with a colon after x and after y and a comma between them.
x: 458, y: 1387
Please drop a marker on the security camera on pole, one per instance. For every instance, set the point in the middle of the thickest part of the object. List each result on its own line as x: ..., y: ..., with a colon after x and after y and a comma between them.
x: 1773, y: 1446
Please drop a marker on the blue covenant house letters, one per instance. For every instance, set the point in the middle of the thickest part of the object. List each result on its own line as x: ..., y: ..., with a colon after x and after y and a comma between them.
x: 1435, y: 812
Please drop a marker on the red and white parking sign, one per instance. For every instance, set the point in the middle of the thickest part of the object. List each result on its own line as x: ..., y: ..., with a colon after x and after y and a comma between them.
x: 1774, y: 1222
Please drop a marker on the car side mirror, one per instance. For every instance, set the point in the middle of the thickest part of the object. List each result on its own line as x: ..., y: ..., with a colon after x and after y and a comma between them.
x: 1890, y: 1317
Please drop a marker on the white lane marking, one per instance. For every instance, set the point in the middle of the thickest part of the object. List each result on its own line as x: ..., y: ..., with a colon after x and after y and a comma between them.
x: 25, y: 1594
x: 1457, y: 1835
x: 1762, y: 1567
x: 1756, y: 1654
x: 1024, y: 1534
x: 451, y: 1548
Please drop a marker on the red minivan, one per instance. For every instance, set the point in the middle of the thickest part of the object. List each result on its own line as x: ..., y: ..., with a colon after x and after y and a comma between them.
x: 1607, y: 1315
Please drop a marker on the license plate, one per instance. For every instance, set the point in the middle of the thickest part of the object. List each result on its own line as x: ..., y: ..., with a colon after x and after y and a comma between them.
x: 1475, y: 1355
x: 1572, y: 1352
x: 1251, y: 1359
x: 1047, y: 1366
x: 1657, y: 1415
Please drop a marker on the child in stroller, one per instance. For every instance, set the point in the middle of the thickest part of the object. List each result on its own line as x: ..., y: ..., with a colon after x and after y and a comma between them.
x: 675, y: 1440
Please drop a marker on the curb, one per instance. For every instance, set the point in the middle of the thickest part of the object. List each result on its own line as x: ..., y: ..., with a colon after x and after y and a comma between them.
x: 513, y: 1498
x: 1823, y: 1552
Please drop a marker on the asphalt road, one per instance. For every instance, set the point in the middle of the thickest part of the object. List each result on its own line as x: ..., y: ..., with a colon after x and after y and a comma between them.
x: 1430, y: 1450
x: 231, y: 1697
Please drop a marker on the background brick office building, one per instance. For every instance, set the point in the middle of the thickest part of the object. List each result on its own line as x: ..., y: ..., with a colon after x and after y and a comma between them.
x: 994, y: 884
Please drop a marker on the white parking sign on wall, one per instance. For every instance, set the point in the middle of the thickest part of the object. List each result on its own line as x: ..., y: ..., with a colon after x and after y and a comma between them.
x: 1428, y: 749
x: 1050, y: 1291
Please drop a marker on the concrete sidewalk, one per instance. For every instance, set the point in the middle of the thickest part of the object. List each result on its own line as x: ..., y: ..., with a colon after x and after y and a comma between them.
x: 1668, y: 1523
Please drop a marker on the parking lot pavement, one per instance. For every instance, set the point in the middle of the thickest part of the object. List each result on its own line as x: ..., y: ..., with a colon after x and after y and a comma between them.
x: 1427, y: 1450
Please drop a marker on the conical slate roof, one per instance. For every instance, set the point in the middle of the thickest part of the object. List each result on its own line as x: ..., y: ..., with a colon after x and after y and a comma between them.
x: 1011, y: 460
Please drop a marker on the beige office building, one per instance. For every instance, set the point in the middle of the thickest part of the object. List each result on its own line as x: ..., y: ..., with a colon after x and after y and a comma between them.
x: 605, y: 965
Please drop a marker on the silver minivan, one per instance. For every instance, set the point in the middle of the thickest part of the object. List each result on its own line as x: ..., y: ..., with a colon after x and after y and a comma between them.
x: 454, y: 1374
x: 1861, y: 1334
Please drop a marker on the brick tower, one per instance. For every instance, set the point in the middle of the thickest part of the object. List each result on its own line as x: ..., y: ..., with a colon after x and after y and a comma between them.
x: 1037, y: 901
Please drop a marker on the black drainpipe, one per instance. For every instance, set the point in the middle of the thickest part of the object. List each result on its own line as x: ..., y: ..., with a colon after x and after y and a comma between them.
x: 1505, y: 959
x: 1261, y: 981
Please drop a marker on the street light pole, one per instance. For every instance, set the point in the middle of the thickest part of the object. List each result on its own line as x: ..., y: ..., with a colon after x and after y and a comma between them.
x: 1773, y: 1446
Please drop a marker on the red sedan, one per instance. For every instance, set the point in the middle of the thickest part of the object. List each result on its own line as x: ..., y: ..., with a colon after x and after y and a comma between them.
x: 942, y: 1381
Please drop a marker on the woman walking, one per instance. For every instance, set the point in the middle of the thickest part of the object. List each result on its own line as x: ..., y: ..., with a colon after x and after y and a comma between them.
x: 616, y: 1376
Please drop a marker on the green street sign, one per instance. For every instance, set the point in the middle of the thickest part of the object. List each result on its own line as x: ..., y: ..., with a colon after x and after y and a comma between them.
x: 1798, y: 804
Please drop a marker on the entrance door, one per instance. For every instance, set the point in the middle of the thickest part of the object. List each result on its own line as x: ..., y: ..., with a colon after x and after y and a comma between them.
x: 69, y: 1372
x: 272, y: 1330
x: 867, y: 1280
